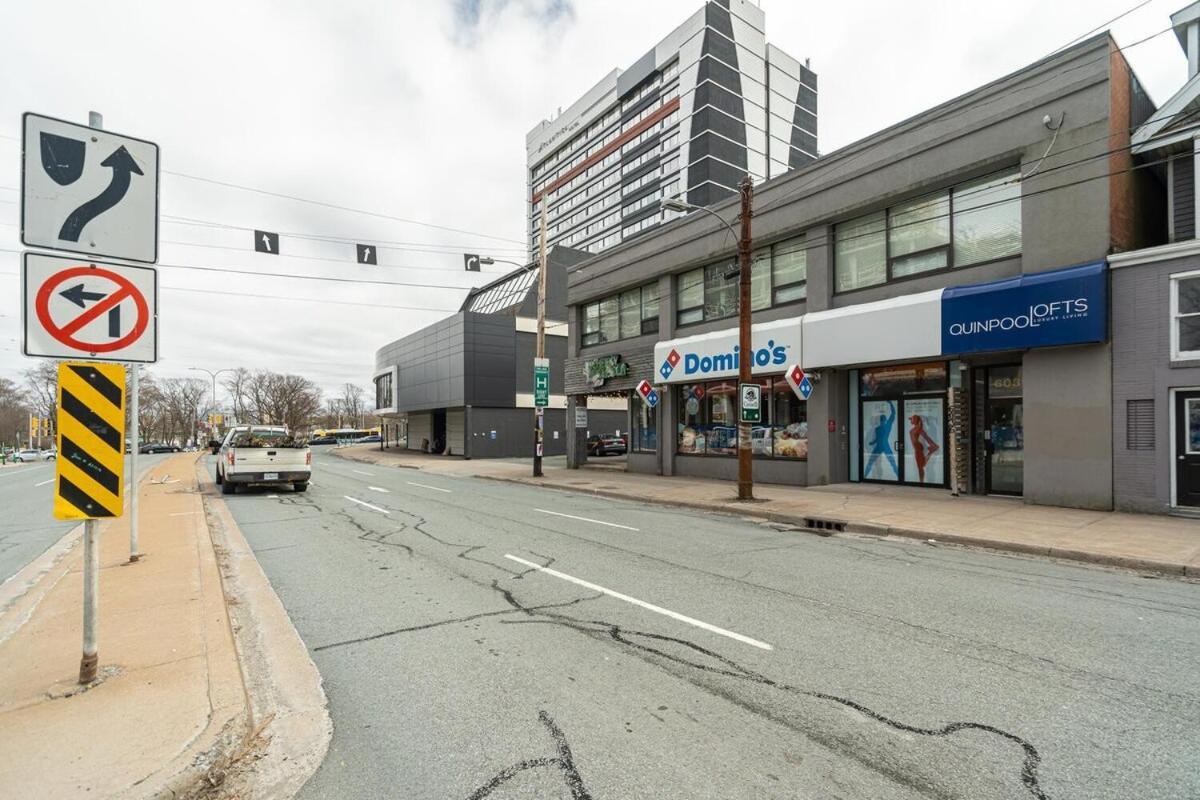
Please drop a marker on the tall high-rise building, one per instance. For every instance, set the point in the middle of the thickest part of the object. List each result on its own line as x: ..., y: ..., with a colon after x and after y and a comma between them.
x: 705, y: 106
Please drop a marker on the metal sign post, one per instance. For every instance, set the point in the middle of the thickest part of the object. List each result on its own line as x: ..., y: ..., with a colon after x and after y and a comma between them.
x: 90, y: 472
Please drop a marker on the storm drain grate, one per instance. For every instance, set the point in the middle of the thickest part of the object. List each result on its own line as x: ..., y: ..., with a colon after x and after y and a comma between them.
x: 831, y: 525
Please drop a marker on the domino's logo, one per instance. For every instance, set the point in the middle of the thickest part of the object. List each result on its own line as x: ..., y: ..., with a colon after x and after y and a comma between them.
x: 669, y: 365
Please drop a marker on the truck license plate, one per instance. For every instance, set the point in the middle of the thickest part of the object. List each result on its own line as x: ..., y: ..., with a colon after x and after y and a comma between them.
x: 270, y: 476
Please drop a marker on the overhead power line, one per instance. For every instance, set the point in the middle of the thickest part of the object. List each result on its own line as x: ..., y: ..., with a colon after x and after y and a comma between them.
x: 337, y: 207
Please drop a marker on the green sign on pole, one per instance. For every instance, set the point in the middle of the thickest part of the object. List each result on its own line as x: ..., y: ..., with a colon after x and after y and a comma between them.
x: 541, y: 382
x: 751, y: 394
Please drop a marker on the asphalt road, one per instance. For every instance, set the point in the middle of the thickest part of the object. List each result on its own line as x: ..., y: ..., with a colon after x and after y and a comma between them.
x: 27, y: 523
x: 669, y: 654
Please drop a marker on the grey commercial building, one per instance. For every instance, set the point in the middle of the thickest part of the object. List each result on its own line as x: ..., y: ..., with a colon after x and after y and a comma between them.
x: 464, y: 385
x: 1156, y: 313
x: 930, y: 304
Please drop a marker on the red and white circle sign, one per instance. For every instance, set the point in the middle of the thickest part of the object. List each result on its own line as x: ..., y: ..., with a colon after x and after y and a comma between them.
x: 89, y: 309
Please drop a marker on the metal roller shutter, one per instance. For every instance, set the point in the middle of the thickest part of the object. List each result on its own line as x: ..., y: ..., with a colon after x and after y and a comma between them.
x: 420, y: 429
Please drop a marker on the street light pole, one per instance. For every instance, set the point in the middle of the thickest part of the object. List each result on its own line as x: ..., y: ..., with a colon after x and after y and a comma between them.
x: 213, y: 375
x: 745, y: 346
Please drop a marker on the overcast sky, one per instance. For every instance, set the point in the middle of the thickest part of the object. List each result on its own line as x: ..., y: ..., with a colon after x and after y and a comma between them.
x: 418, y: 109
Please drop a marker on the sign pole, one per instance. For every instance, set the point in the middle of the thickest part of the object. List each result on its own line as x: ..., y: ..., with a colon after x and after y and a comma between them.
x: 96, y: 120
x: 91, y: 600
x: 134, y: 431
x: 91, y: 558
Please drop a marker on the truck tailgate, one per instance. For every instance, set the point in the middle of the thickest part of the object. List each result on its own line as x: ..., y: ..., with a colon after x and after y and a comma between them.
x: 274, y: 459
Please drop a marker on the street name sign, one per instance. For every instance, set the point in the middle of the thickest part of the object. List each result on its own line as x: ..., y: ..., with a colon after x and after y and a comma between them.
x: 751, y: 395
x: 541, y: 382
x: 87, y: 190
x: 89, y: 471
x: 77, y: 308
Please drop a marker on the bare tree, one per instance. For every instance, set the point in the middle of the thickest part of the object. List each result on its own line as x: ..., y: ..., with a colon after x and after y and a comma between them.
x: 41, y: 384
x: 236, y: 385
x: 14, y: 411
x: 352, y: 404
x: 185, y: 401
x: 270, y: 398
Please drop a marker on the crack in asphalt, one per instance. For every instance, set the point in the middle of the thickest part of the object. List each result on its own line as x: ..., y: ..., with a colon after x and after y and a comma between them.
x: 610, y: 631
x: 456, y: 620
x: 565, y: 762
x: 599, y: 628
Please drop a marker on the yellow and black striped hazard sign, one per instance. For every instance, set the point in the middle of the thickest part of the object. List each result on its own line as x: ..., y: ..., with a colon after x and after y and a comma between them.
x: 90, y: 467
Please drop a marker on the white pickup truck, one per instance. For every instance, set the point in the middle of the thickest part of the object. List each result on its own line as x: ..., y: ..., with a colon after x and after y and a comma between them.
x: 262, y: 454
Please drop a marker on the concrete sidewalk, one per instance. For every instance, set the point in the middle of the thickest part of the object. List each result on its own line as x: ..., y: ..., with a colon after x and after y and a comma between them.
x: 1167, y: 545
x: 170, y: 702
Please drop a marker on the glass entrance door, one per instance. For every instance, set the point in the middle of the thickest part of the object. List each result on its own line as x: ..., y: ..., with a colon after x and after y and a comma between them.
x: 924, y: 443
x: 881, y: 443
x: 1004, y: 432
x: 902, y: 426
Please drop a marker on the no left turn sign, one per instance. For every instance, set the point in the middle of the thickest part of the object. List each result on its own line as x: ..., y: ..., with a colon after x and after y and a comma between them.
x: 77, y: 308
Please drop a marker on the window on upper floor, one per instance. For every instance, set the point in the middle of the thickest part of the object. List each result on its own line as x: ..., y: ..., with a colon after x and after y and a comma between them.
x: 631, y: 313
x: 778, y: 275
x: 1185, y: 316
x: 973, y: 223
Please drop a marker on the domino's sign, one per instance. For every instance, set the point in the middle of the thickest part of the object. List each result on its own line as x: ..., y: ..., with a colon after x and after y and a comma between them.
x: 717, y: 355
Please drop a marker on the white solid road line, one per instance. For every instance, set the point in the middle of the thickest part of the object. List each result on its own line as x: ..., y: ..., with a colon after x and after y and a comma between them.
x: 184, y: 513
x: 427, y: 486
x: 43, y: 483
x: 379, y: 489
x: 360, y: 472
x: 367, y: 505
x: 642, y: 603
x: 585, y: 519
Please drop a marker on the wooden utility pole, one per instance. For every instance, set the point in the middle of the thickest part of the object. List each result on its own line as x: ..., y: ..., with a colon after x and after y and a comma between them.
x: 745, y: 348
x: 539, y: 415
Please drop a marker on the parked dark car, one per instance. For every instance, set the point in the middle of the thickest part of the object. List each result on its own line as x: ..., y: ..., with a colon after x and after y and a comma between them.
x: 322, y: 440
x: 152, y: 448
x: 606, y: 445
x: 214, y: 445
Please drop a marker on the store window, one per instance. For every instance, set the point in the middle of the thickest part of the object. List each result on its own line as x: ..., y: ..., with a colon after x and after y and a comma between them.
x: 1185, y: 316
x: 621, y: 316
x: 778, y: 275
x: 971, y: 223
x: 708, y: 414
x: 644, y: 436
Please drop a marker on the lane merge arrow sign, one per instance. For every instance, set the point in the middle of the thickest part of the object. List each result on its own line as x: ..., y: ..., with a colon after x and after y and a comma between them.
x: 75, y: 308
x: 266, y: 242
x: 87, y: 190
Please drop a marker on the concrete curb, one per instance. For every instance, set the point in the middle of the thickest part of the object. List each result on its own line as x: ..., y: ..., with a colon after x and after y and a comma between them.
x: 290, y: 724
x: 1146, y: 565
x: 881, y: 531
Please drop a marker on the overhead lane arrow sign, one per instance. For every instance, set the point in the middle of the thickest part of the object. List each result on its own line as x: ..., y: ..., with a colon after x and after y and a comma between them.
x: 122, y: 166
x: 266, y: 242
x: 77, y: 295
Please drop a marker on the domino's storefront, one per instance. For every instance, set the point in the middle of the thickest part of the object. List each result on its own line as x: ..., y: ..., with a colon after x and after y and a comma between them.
x: 975, y: 388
